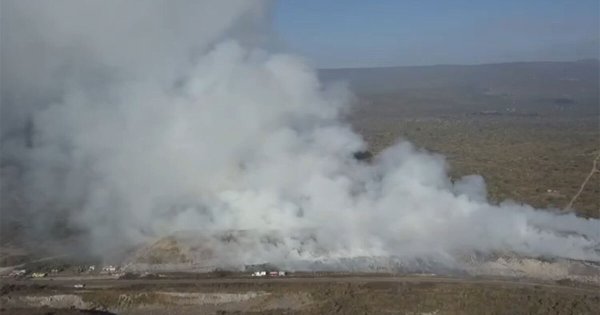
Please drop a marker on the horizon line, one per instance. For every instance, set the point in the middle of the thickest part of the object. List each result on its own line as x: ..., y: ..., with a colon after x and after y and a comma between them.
x: 461, y: 65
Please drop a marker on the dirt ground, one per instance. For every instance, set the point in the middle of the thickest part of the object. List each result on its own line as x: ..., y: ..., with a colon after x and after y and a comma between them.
x: 301, y: 295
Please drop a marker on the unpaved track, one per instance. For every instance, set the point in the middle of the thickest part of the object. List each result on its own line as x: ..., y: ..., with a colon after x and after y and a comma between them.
x: 106, y: 283
x: 327, y: 294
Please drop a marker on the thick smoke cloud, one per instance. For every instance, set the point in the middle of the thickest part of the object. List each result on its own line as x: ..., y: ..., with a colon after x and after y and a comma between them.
x: 134, y: 120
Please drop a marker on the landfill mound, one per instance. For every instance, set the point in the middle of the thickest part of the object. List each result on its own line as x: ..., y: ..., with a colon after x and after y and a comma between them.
x: 194, y: 251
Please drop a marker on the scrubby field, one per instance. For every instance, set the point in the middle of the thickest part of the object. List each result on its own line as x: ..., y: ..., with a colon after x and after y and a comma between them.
x: 540, y: 161
x: 325, y: 294
x: 532, y: 130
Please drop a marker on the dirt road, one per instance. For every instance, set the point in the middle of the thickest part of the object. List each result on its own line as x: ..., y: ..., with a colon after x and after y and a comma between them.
x: 112, y: 282
x: 354, y: 294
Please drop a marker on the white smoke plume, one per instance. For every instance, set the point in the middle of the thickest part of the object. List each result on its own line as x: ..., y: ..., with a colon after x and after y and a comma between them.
x: 139, y: 119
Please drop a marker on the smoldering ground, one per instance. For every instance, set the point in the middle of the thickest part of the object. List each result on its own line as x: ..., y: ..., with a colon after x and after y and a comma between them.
x: 134, y: 120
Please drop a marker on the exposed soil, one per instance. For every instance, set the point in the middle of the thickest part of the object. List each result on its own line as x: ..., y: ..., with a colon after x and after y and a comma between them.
x: 302, y: 295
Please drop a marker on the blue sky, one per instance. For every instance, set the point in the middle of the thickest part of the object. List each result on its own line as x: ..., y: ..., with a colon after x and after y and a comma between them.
x: 354, y: 33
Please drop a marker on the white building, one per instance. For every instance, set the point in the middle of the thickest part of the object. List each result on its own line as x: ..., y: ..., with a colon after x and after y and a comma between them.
x: 259, y: 273
x: 39, y: 275
x: 18, y: 272
x: 109, y: 269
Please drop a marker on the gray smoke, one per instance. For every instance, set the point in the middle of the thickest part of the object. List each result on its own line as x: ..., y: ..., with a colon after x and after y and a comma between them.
x: 132, y: 120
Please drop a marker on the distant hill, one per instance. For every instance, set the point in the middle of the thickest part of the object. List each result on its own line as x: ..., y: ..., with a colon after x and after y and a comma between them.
x: 535, y: 86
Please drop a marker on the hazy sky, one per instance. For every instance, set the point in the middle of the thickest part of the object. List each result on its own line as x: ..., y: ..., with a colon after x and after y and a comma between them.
x: 351, y: 33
